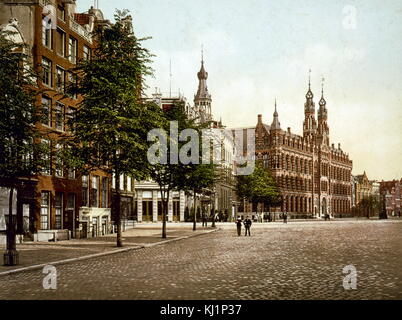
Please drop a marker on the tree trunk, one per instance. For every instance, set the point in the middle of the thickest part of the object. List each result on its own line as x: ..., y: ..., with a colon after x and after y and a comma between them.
x: 195, y: 212
x: 119, y: 241
x: 213, y: 213
x: 11, y: 257
x: 164, y: 212
x: 262, y: 213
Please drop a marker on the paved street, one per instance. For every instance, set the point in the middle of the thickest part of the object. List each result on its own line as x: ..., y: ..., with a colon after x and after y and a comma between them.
x: 300, y: 260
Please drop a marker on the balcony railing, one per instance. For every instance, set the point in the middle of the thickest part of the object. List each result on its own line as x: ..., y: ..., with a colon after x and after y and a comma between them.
x: 80, y: 30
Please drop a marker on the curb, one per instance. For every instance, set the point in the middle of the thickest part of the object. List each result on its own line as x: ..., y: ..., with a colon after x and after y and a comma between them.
x: 102, y: 254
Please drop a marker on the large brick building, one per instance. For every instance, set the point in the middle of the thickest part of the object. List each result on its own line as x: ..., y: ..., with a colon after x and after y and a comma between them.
x: 313, y: 175
x: 59, y: 199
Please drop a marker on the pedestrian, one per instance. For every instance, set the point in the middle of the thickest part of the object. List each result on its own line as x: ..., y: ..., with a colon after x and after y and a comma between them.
x: 247, y: 226
x: 399, y: 213
x: 204, y: 219
x: 238, y: 224
x: 285, y: 217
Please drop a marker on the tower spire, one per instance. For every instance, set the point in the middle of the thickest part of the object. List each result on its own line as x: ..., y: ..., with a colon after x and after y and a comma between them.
x: 309, y: 124
x: 202, y: 99
x: 309, y: 95
x: 322, y: 101
x: 322, y: 86
x: 275, y: 123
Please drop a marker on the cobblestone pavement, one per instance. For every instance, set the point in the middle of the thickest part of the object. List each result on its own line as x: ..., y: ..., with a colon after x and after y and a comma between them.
x: 300, y: 260
x: 34, y: 253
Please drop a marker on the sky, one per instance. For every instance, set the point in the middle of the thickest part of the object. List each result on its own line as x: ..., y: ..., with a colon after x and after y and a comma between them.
x: 256, y: 51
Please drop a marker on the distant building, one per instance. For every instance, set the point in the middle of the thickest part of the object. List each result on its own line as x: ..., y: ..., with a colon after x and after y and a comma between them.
x: 147, y: 202
x: 363, y: 187
x: 313, y: 176
x: 222, y: 195
x: 392, y: 192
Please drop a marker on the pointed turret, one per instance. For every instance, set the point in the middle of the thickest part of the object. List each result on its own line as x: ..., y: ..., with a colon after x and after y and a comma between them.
x: 310, y: 124
x: 309, y: 106
x: 275, y: 123
x: 202, y: 100
x: 323, y: 129
x: 322, y: 111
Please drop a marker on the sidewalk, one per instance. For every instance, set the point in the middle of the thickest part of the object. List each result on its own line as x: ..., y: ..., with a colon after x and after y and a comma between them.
x: 143, y: 235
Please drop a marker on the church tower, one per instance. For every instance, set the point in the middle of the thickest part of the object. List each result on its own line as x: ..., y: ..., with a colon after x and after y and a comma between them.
x: 310, y: 124
x: 323, y: 130
x: 202, y: 100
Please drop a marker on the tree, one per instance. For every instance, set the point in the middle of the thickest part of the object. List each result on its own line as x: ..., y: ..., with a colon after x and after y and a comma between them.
x: 259, y: 187
x: 20, y: 147
x: 197, y: 178
x: 369, y: 206
x: 170, y: 172
x: 111, y: 125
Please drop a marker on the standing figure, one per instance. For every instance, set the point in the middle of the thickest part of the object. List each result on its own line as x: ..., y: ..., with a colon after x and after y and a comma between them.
x: 204, y: 220
x: 285, y: 217
x: 238, y: 224
x: 247, y: 226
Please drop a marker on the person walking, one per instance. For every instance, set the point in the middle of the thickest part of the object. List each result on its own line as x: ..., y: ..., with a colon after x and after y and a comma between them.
x: 238, y: 224
x: 285, y: 217
x: 247, y: 226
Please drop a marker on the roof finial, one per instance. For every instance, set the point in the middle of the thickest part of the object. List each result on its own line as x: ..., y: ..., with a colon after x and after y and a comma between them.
x: 202, y: 53
x: 322, y: 86
x: 275, y: 105
x: 309, y: 78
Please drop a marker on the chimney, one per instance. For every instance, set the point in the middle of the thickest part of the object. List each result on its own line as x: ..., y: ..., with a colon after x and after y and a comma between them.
x: 339, y: 146
x: 333, y: 146
x: 288, y: 129
x: 260, y: 118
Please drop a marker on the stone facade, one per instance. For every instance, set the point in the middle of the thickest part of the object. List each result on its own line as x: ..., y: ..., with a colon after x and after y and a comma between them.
x: 363, y: 187
x: 313, y: 176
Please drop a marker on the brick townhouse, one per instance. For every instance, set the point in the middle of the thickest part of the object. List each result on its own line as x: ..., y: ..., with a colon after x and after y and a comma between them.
x: 59, y: 202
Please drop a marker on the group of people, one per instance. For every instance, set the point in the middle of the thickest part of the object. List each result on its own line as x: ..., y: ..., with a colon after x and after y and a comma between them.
x: 247, y: 225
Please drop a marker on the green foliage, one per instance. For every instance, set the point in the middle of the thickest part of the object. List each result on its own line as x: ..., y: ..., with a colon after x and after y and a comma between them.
x: 259, y: 187
x: 369, y: 206
x: 187, y: 177
x: 20, y: 150
x: 112, y: 122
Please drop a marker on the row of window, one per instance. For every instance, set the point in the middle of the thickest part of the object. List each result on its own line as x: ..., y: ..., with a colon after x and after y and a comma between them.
x: 301, y: 165
x: 95, y: 191
x: 58, y: 203
x: 63, y: 77
x: 56, y: 39
x: 126, y: 183
x: 56, y: 116
x: 57, y: 154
